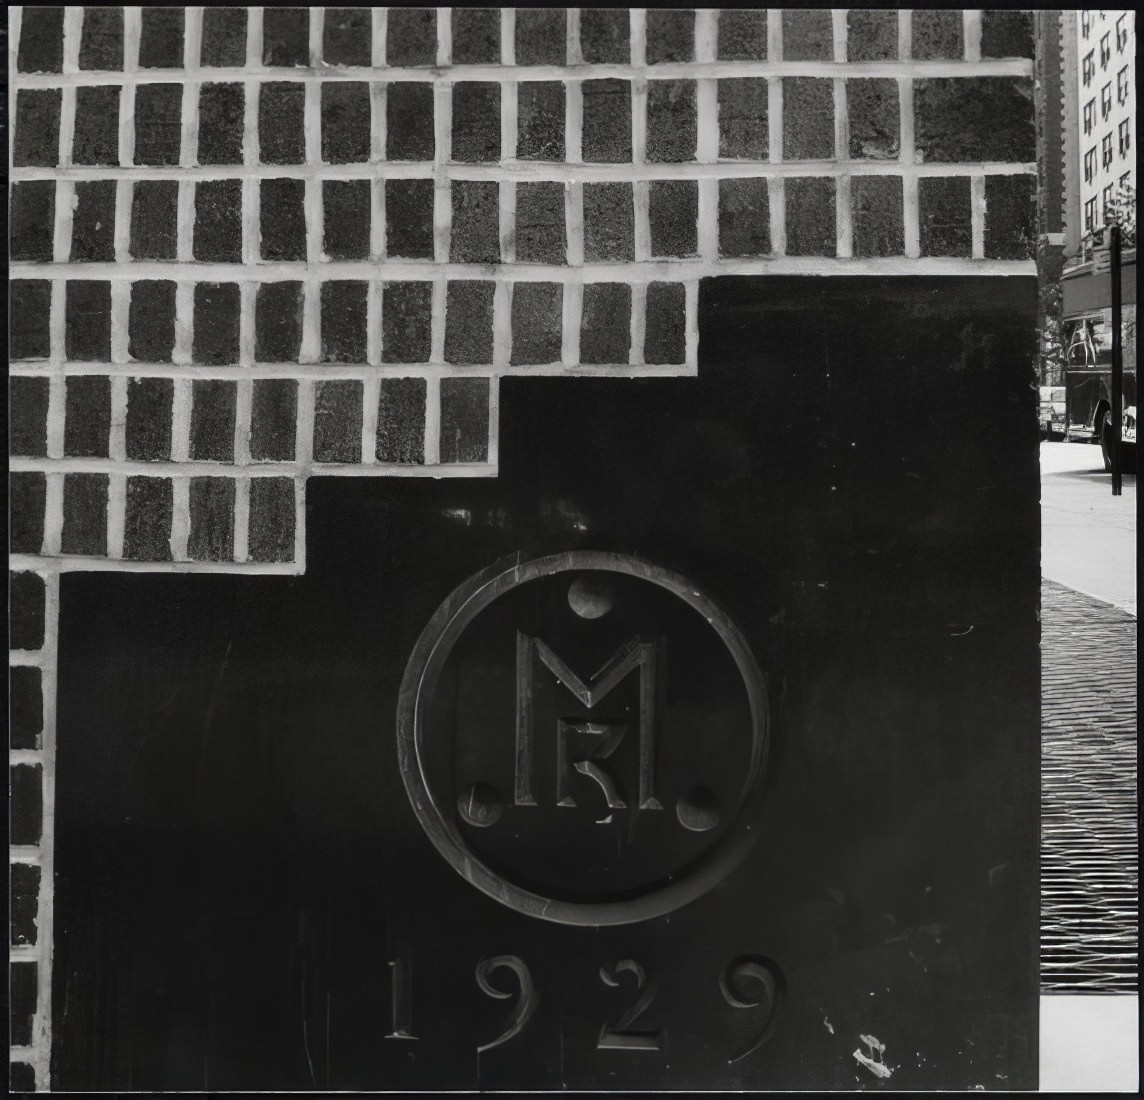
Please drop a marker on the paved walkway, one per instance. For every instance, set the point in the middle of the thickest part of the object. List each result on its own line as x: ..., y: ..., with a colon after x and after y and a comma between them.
x: 1089, y: 869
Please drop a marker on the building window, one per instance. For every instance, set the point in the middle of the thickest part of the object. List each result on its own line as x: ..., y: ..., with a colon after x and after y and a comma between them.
x: 1106, y: 150
x: 1125, y: 135
x: 1089, y: 116
x: 1125, y: 181
x: 1122, y: 32
x: 1106, y: 197
x: 1089, y: 68
x: 1085, y: 23
x: 1090, y: 215
x: 1105, y: 51
x: 1090, y: 165
x: 1122, y: 86
x: 1106, y: 100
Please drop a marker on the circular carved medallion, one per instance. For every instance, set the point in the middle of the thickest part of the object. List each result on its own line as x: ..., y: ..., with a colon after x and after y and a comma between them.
x: 583, y: 737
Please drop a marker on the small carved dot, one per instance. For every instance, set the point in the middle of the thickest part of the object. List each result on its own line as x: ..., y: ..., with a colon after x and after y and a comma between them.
x: 591, y: 597
x: 480, y: 805
x: 698, y: 810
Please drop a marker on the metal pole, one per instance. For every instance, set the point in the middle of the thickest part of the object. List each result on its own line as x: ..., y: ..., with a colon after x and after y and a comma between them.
x: 1117, y: 358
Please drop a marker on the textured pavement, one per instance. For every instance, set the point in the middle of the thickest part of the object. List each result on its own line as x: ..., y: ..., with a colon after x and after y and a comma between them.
x: 1090, y: 867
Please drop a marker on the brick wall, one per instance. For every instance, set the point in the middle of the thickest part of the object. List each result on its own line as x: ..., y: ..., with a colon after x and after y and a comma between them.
x: 250, y: 246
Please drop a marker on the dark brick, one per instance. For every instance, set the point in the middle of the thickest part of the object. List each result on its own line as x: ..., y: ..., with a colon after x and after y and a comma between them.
x: 41, y: 40
x: 273, y: 419
x: 1010, y: 230
x: 401, y: 420
x: 476, y: 36
x: 154, y: 219
x: 409, y: 121
x: 808, y: 35
x: 476, y: 121
x: 285, y: 37
x: 937, y: 35
x: 605, y: 325
x: 945, y: 216
x: 540, y: 234
x: 271, y: 525
x: 744, y: 218
x: 27, y: 416
x: 218, y: 221
x: 26, y: 497
x: 541, y: 36
x: 281, y: 123
x: 151, y: 321
x: 343, y: 321
x: 665, y: 328
x: 147, y: 520
x: 476, y: 222
x: 875, y: 121
x: 540, y: 120
x: 278, y: 322
x: 216, y: 323
x: 37, y: 142
x: 464, y: 419
x: 469, y: 322
x: 876, y: 202
x: 158, y: 123
x: 87, y: 320
x: 670, y: 120
x: 222, y: 111
x: 22, y: 980
x: 29, y: 314
x: 347, y: 38
x: 411, y: 37
x: 406, y: 312
x: 33, y: 218
x: 21, y: 1077
x: 1006, y: 33
x: 409, y: 219
x: 101, y: 40
x: 93, y: 221
x: 224, y: 38
x: 743, y: 130
x: 211, y: 537
x: 212, y: 420
x: 337, y: 421
x: 974, y: 119
x: 604, y: 36
x: 743, y: 35
x: 537, y: 322
x: 85, y: 515
x: 24, y: 887
x: 26, y: 822
x: 811, y: 225
x: 670, y: 35
x: 346, y: 219
x: 345, y: 122
x: 673, y: 209
x: 149, y: 407
x: 282, y: 219
x: 26, y: 696
x: 871, y: 35
x: 161, y: 38
x: 607, y: 129
x: 25, y: 610
x: 808, y: 118
x: 95, y: 139
x: 608, y: 222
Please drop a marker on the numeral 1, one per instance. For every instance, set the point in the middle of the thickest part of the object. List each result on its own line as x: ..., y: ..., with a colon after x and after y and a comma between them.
x: 402, y: 989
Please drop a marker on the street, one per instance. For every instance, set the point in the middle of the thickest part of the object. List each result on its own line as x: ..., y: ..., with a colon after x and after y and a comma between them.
x: 1088, y: 536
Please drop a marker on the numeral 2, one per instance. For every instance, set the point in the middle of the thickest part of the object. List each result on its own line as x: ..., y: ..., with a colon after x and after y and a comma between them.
x: 525, y: 1007
x: 754, y: 969
x: 617, y: 1036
